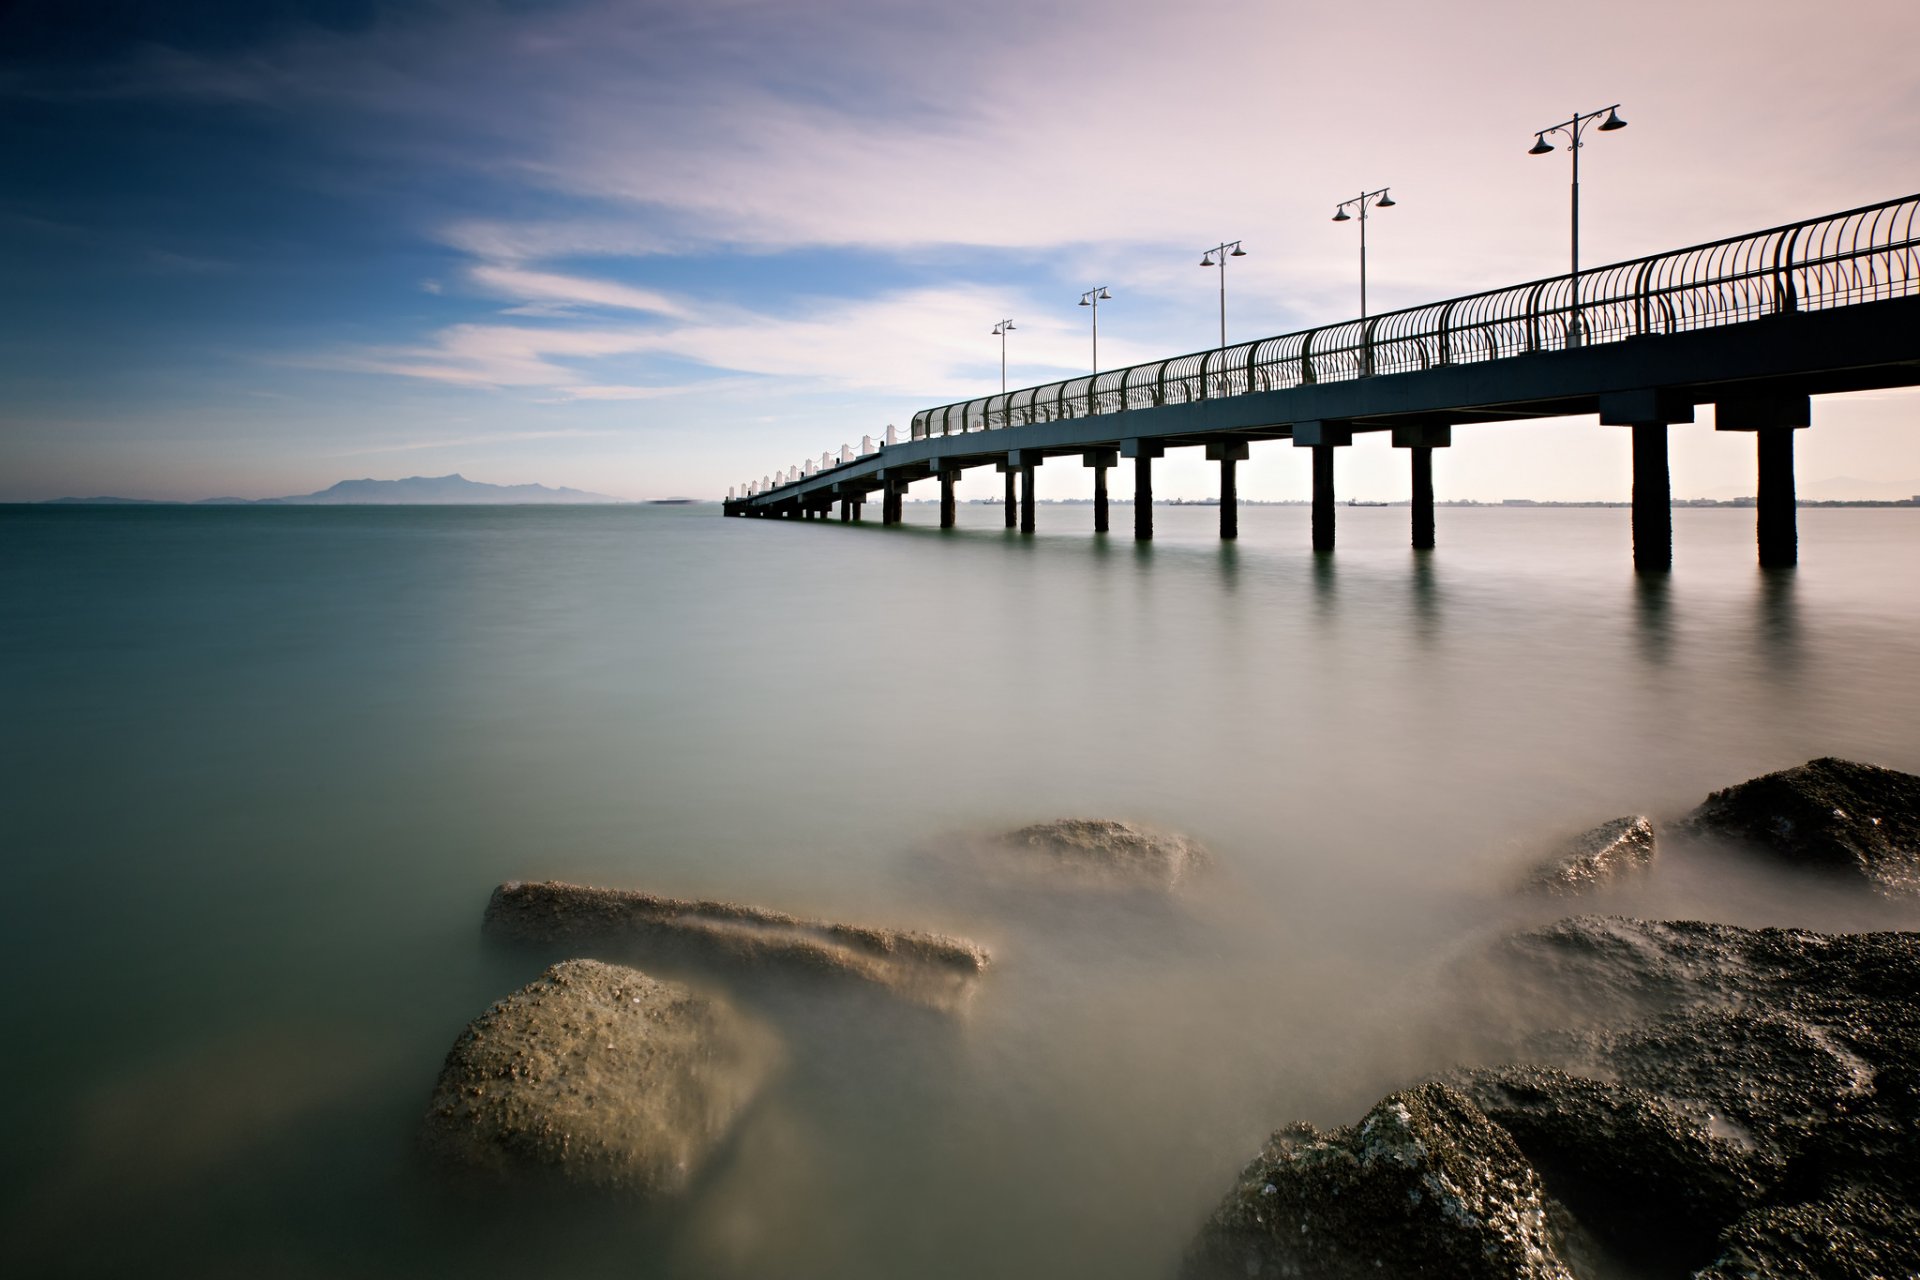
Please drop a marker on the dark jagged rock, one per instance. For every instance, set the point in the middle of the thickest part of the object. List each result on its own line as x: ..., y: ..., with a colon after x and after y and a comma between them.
x: 1424, y: 1186
x: 1826, y: 815
x: 1849, y: 1236
x: 596, y: 1076
x: 1735, y: 1103
x: 1118, y: 853
x: 1650, y: 1180
x: 937, y: 971
x: 1595, y: 859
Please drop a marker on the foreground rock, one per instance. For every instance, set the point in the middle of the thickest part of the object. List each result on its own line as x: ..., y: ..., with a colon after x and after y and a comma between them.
x: 1424, y: 1186
x: 596, y: 1076
x: 1717, y: 1101
x: 1596, y: 859
x: 1121, y: 854
x: 1826, y: 815
x: 936, y: 971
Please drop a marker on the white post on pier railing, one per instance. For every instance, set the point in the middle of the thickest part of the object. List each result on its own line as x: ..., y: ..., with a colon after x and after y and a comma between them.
x: 846, y: 453
x: 729, y: 493
x: 826, y: 459
x: 893, y: 434
x: 793, y: 474
x: 866, y: 445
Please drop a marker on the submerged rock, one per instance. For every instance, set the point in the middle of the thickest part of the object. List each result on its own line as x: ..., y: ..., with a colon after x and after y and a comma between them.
x: 1595, y: 859
x: 596, y: 1076
x: 928, y: 968
x: 1424, y: 1186
x: 1827, y: 815
x: 1100, y: 849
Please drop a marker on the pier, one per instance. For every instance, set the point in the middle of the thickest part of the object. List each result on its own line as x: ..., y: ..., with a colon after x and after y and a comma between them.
x: 1756, y: 326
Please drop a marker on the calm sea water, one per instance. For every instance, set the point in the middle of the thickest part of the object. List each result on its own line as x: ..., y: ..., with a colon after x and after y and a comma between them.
x: 263, y: 766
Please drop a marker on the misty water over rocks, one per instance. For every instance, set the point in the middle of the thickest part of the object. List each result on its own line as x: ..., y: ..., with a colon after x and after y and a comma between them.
x: 268, y: 765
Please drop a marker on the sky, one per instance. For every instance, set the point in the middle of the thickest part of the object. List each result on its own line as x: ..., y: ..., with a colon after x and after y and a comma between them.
x: 655, y: 249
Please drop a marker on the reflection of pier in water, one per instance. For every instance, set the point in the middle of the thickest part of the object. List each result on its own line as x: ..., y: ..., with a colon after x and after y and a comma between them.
x: 1755, y: 326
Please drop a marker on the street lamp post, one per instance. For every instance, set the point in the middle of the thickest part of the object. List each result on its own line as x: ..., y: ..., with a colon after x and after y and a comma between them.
x: 1000, y: 331
x: 1364, y: 201
x: 1573, y: 129
x: 1093, y: 298
x: 1206, y: 260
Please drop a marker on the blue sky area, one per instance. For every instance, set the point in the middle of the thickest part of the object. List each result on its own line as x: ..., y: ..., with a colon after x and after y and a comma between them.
x: 654, y: 249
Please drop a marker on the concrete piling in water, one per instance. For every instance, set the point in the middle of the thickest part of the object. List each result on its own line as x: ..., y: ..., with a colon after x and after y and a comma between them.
x: 1420, y: 441
x: 1652, y: 499
x: 946, y: 499
x: 1228, y: 454
x: 1143, y: 452
x: 1777, y: 521
x: 1012, y: 500
x: 1323, y: 528
x: 1099, y: 460
x: 1323, y: 438
x: 1026, y: 497
x: 1773, y: 420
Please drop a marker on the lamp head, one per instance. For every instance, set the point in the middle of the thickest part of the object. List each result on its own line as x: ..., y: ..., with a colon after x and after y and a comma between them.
x: 1084, y: 302
x: 1105, y: 296
x: 1385, y: 201
x: 1540, y: 146
x: 1238, y: 252
x: 1009, y: 326
x: 1613, y: 121
x: 1206, y: 259
x: 1341, y: 215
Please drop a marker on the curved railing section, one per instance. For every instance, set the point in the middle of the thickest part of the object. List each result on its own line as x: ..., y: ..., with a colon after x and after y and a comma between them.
x: 1862, y: 255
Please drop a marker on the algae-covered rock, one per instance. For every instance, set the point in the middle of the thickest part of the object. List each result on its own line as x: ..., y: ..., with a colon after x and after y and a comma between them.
x: 1856, y: 820
x: 1424, y: 1186
x: 936, y: 971
x: 1595, y: 859
x: 1101, y: 850
x: 596, y: 1076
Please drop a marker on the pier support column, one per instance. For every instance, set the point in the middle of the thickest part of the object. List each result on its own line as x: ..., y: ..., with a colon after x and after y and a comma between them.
x: 1323, y: 437
x: 1420, y: 442
x: 1100, y: 460
x: 1652, y: 499
x: 1773, y: 422
x: 846, y: 510
x: 1143, y: 452
x: 857, y: 504
x: 1026, y: 498
x: 1011, y: 503
x: 1228, y: 454
x: 946, y: 498
x: 1649, y: 413
x: 890, y: 504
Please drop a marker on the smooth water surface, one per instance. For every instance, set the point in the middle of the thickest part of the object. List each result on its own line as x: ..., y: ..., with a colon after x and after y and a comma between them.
x: 262, y: 767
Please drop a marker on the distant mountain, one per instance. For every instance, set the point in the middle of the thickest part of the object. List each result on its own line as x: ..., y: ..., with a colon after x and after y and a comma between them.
x: 454, y: 490
x: 437, y: 490
x: 104, y: 502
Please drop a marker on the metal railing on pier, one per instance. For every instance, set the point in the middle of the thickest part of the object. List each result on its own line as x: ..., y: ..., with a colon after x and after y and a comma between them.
x: 1862, y: 255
